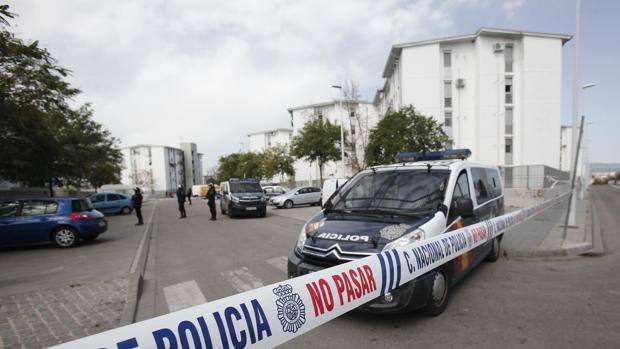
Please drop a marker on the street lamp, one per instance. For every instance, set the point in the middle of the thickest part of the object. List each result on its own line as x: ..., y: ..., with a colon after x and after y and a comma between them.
x: 341, y: 133
x: 585, y: 168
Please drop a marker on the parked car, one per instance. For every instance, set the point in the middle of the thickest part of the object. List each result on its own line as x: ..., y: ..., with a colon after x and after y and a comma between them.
x: 274, y: 190
x: 243, y: 197
x: 330, y: 186
x: 62, y: 221
x: 298, y: 196
x: 111, y: 203
x: 387, y: 206
x: 124, y: 189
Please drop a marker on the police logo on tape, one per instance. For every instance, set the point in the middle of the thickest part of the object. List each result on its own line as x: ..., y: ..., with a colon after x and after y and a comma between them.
x: 291, y: 310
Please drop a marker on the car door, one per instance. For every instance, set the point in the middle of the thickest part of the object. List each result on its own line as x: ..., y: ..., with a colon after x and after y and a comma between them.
x: 113, y: 202
x: 301, y: 197
x: 36, y: 220
x: 225, y: 196
x: 9, y: 212
x: 98, y: 201
x: 314, y: 195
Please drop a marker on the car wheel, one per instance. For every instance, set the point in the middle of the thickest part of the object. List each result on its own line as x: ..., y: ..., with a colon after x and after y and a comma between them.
x: 222, y: 209
x: 440, y: 293
x: 91, y: 238
x: 65, y: 237
x: 263, y: 213
x: 230, y: 212
x: 494, y: 254
x: 288, y: 204
x: 126, y: 210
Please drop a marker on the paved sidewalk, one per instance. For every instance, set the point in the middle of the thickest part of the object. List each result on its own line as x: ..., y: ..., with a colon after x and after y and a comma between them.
x: 41, y: 319
x: 544, y: 236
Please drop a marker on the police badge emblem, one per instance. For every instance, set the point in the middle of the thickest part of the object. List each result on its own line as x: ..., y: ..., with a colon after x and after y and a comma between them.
x: 291, y: 310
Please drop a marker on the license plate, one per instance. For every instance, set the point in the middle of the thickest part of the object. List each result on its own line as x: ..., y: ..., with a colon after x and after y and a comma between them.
x: 250, y: 208
x: 102, y: 224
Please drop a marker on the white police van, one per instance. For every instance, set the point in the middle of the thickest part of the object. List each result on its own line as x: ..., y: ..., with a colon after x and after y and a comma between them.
x: 424, y: 195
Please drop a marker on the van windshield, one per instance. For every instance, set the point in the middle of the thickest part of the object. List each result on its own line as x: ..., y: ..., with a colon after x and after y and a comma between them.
x: 396, y: 191
x: 245, y: 187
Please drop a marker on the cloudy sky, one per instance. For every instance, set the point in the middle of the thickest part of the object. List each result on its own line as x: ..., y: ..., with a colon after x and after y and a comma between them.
x: 210, y: 72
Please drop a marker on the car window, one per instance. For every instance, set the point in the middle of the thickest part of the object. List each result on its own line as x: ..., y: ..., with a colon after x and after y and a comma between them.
x: 268, y: 190
x: 97, y: 198
x: 302, y: 191
x: 81, y: 205
x: 461, y: 189
x: 9, y: 208
x: 114, y: 197
x: 39, y: 207
x: 495, y: 183
x: 481, y: 185
x: 316, y: 190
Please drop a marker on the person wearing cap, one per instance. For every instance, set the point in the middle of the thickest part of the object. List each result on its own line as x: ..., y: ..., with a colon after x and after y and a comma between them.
x: 211, y: 201
x: 136, y: 203
x: 181, y: 201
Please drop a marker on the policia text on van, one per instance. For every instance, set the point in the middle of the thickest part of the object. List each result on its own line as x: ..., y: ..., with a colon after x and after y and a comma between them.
x: 387, y: 206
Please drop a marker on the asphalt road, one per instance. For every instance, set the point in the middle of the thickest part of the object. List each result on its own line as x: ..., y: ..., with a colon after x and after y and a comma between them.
x: 563, y: 303
x: 38, y: 267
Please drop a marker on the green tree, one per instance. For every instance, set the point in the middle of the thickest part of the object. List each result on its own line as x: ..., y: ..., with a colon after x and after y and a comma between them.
x: 400, y: 131
x: 277, y: 161
x: 318, y: 141
x: 240, y: 165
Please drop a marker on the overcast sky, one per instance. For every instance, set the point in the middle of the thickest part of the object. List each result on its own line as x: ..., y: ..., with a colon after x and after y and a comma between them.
x: 211, y: 72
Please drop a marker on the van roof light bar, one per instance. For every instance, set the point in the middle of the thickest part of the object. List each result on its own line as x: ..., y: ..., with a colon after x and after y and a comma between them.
x: 433, y: 155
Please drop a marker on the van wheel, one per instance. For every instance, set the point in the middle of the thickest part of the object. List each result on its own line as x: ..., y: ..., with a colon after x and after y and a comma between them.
x: 288, y: 204
x: 494, y: 254
x: 65, y: 237
x: 440, y: 293
x: 230, y: 212
x: 222, y: 209
x: 126, y: 210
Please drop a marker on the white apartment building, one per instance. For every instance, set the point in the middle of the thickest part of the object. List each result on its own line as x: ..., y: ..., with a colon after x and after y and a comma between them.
x: 160, y: 169
x: 497, y: 92
x: 193, y: 164
x: 358, y: 118
x: 259, y: 141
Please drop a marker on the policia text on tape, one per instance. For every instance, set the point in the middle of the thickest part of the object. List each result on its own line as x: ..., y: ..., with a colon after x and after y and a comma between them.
x: 271, y: 315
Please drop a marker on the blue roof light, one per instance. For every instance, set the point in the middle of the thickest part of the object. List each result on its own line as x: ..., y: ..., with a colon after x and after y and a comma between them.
x: 434, y: 155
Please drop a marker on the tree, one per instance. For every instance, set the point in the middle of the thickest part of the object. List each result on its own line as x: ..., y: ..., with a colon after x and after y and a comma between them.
x: 240, y: 165
x: 277, y: 161
x: 400, y: 131
x: 318, y: 141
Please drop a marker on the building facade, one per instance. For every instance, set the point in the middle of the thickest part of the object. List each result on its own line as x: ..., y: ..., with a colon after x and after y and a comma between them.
x: 497, y: 92
x: 158, y: 169
x: 260, y: 141
x: 358, y: 118
x: 193, y: 165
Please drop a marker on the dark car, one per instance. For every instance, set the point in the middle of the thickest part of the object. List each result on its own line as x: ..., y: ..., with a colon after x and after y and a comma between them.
x: 62, y: 221
x: 111, y: 203
x: 395, y: 205
x: 243, y: 197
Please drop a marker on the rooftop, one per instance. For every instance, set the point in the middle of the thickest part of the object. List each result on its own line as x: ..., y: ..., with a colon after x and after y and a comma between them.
x: 325, y: 104
x: 270, y: 131
x: 397, y: 49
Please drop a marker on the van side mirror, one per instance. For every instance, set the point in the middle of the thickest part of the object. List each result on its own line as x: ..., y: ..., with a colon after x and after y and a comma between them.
x: 463, y: 207
x: 224, y: 192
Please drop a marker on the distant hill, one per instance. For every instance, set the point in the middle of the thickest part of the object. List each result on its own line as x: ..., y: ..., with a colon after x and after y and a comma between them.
x: 604, y: 167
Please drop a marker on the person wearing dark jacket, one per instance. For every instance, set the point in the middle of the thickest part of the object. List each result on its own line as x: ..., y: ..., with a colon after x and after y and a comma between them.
x: 181, y: 201
x: 189, y: 195
x: 211, y: 201
x: 136, y: 203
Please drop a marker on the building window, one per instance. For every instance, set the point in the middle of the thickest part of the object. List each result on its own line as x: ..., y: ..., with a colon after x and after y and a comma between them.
x: 352, y: 129
x: 352, y: 114
x: 508, y: 121
x: 508, y: 58
x: 508, y: 90
x: 449, y: 144
x: 508, y: 155
x: 447, y: 94
x: 447, y: 63
x: 448, y: 119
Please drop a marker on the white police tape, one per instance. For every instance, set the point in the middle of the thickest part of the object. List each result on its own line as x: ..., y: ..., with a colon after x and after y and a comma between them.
x: 271, y: 315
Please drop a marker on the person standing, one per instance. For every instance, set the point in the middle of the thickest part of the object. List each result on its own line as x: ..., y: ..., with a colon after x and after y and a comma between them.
x: 211, y: 201
x: 181, y: 201
x: 189, y: 195
x: 136, y: 203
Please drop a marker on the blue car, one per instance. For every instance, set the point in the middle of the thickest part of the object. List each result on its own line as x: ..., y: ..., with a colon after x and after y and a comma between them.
x: 63, y: 221
x: 111, y: 203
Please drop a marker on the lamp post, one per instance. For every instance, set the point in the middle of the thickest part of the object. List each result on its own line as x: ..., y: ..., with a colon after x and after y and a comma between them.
x: 571, y: 212
x: 585, y: 168
x: 341, y: 133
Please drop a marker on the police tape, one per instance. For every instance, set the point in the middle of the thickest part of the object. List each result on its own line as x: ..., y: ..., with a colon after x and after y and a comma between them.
x: 274, y: 314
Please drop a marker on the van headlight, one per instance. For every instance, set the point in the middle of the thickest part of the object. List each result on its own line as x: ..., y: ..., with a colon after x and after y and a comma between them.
x: 301, y: 240
x: 406, y: 239
x: 263, y: 198
x: 234, y: 198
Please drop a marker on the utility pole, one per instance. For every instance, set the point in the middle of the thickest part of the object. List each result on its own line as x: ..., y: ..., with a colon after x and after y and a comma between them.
x: 341, y: 132
x: 574, y: 146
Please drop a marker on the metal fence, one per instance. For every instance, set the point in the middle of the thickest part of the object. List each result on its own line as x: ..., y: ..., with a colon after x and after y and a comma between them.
x: 533, y: 177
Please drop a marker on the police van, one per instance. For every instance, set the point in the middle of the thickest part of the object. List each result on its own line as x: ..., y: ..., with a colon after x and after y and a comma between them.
x: 424, y: 195
x: 243, y: 197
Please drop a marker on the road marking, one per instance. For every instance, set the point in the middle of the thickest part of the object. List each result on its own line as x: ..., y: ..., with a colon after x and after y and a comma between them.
x: 136, y: 258
x: 242, y: 280
x: 183, y: 295
x: 278, y: 262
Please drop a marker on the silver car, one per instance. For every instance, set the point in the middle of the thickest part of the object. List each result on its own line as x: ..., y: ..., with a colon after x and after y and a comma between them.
x: 298, y: 196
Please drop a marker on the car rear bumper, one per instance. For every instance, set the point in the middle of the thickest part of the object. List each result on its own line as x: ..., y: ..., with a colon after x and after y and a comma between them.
x: 410, y: 296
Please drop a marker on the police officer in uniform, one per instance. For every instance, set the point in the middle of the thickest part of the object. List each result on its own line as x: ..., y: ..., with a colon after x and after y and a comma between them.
x: 211, y: 201
x: 181, y: 201
x: 136, y: 202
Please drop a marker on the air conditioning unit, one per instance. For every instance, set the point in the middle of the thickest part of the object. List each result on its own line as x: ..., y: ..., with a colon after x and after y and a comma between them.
x: 460, y: 83
x: 498, y: 47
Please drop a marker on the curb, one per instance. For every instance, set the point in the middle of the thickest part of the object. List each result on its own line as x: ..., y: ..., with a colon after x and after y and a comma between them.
x: 135, y: 278
x: 576, y: 249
